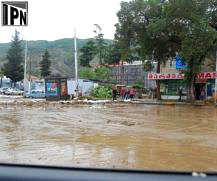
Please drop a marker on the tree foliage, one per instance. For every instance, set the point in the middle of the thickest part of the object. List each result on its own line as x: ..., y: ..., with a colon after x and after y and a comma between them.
x: 87, y: 73
x: 143, y: 28
x: 100, y: 73
x: 160, y: 29
x: 14, y: 67
x: 61, y: 52
x: 102, y: 92
x: 196, y: 33
x: 113, y: 54
x: 100, y: 43
x: 88, y: 51
x: 45, y: 64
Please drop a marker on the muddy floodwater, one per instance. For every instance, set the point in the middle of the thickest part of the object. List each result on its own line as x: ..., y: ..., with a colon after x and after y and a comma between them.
x: 111, y: 136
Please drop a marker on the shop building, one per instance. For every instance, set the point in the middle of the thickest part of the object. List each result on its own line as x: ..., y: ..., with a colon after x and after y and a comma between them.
x: 171, y: 80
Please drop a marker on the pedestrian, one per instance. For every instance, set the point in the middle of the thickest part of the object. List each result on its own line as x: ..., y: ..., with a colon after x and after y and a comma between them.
x: 180, y: 93
x: 122, y: 92
x: 114, y: 92
x: 131, y: 93
x: 126, y: 95
x: 151, y: 93
x: 154, y: 92
x: 202, y: 94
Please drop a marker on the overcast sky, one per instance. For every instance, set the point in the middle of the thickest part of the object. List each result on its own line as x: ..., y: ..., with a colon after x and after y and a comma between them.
x: 56, y: 19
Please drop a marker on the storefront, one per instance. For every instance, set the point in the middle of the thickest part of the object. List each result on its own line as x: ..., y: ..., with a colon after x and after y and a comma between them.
x: 205, y: 82
x: 171, y: 83
x: 171, y: 87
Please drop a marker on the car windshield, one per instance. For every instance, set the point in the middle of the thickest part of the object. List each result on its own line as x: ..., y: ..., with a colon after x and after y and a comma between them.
x: 109, y: 84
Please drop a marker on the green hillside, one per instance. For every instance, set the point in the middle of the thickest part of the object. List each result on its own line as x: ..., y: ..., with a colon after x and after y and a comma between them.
x: 61, y: 51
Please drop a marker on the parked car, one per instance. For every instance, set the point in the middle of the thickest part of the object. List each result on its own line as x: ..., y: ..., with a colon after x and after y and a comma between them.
x: 13, y: 91
x: 3, y: 90
x: 35, y: 94
x: 17, y: 92
x: 8, y: 91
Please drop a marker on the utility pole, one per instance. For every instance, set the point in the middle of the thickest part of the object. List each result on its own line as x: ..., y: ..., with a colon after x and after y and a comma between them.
x: 26, y: 49
x: 30, y: 72
x: 76, y: 64
x: 24, y: 82
x: 30, y: 69
x: 1, y: 75
x: 215, y: 94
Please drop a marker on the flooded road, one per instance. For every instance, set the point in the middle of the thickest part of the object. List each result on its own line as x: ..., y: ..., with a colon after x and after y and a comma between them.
x: 111, y: 136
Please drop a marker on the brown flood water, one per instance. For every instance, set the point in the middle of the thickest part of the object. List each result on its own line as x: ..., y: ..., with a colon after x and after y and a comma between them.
x: 111, y: 136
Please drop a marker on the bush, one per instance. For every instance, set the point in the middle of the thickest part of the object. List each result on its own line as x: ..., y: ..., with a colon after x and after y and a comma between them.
x: 87, y: 73
x: 100, y: 73
x: 138, y: 85
x: 102, y: 92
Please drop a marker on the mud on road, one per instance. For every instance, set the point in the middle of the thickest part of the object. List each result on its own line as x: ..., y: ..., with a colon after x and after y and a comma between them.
x: 110, y: 136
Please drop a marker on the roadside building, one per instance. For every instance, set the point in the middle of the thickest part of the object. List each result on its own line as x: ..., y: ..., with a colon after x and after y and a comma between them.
x: 129, y: 73
x: 172, y: 79
x: 5, y: 82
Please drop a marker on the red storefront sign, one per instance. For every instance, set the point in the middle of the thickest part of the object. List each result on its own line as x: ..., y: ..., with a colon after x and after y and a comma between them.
x: 203, y: 75
x: 207, y: 75
x: 155, y: 76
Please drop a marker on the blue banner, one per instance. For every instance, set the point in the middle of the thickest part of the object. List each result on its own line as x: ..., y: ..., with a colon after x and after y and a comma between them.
x: 179, y: 63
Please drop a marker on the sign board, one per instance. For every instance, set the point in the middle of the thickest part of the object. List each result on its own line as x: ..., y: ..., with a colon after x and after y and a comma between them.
x: 63, y: 88
x: 207, y: 75
x: 56, y: 88
x: 165, y: 76
x: 155, y: 76
x: 179, y: 63
x: 14, y: 13
x: 52, y: 89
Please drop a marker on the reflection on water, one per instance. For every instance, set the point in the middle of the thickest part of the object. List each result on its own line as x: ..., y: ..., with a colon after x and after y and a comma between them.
x: 120, y: 136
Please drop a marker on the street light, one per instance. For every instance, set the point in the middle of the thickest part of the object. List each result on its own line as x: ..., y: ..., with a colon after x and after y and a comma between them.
x: 26, y: 48
x: 76, y: 64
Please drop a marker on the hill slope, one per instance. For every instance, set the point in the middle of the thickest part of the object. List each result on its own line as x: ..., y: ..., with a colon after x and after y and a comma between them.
x: 61, y: 51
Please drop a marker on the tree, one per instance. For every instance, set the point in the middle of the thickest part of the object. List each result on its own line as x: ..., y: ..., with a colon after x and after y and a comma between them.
x: 124, y: 29
x: 87, y: 73
x: 112, y: 54
x: 160, y: 29
x: 100, y: 43
x: 45, y: 64
x: 197, y: 32
x: 143, y: 27
x: 88, y: 51
x: 13, y: 69
x: 102, y: 73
